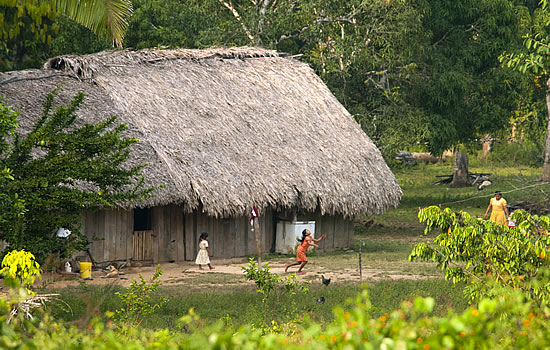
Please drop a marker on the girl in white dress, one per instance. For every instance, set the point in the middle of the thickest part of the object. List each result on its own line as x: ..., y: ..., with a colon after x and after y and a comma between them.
x: 203, y: 257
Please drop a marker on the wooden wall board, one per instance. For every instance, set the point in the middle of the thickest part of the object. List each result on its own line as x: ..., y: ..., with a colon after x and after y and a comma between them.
x: 129, y: 231
x: 217, y: 239
x: 319, y: 230
x: 340, y: 232
x: 229, y: 237
x: 203, y: 225
x: 95, y: 234
x: 169, y: 248
x: 239, y: 225
x: 157, y: 217
x: 178, y: 234
x: 189, y: 233
x: 351, y: 231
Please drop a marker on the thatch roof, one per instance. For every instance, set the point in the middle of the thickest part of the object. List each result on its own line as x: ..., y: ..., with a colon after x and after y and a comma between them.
x: 223, y: 128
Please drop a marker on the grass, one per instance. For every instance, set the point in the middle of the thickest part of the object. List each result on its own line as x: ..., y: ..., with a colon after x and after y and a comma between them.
x: 418, y: 187
x: 242, y: 305
x: 213, y: 278
x: 385, y: 242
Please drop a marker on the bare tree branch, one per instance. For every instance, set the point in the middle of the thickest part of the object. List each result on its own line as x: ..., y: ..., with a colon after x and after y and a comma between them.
x: 235, y: 13
x: 469, y: 27
x: 261, y: 21
x: 347, y: 19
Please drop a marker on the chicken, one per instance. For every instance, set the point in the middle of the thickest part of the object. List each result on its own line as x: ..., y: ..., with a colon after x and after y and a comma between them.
x: 325, y: 281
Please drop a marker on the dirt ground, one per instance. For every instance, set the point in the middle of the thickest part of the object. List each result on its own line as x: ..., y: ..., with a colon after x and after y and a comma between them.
x: 229, y: 272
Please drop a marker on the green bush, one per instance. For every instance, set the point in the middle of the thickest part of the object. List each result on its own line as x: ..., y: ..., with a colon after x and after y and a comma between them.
x: 484, y: 252
x: 506, y: 320
x: 40, y: 170
x: 138, y: 301
x: 527, y: 153
x: 272, y: 286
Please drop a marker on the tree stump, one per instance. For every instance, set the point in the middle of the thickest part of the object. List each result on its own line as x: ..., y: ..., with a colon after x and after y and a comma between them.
x: 487, y: 146
x: 460, y: 171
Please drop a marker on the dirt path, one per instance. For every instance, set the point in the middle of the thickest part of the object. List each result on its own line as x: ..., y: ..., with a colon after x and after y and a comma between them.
x: 226, y: 272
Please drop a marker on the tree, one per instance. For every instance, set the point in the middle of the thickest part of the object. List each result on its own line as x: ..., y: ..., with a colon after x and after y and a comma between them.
x: 460, y: 171
x: 24, y: 21
x: 60, y: 169
x: 459, y: 89
x: 173, y: 23
x: 422, y: 72
x: 411, y: 72
x: 535, y: 60
x: 482, y: 252
x: 11, y: 206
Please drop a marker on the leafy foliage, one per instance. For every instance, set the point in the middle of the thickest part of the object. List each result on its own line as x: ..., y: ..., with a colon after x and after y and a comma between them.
x: 503, y: 322
x: 533, y: 60
x: 11, y: 206
x: 21, y: 266
x: 107, y: 18
x: 481, y: 252
x: 173, y: 23
x: 270, y: 285
x: 138, y: 300
x: 59, y: 169
x: 27, y: 27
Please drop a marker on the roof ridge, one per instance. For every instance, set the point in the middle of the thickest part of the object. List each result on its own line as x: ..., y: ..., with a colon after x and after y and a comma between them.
x: 84, y: 66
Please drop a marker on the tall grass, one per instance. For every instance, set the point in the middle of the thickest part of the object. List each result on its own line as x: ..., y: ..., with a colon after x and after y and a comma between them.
x: 243, y: 305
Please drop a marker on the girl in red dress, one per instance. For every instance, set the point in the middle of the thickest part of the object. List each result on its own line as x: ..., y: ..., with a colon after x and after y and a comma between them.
x: 305, y: 242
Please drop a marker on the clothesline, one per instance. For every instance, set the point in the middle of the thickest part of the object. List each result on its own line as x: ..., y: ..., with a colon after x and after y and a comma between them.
x: 484, y: 196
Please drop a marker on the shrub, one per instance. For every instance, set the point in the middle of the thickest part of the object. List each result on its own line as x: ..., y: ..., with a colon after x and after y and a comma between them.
x: 507, y: 320
x: 482, y: 252
x: 19, y: 268
x: 138, y: 300
x: 527, y: 153
x: 43, y: 171
x: 271, y: 285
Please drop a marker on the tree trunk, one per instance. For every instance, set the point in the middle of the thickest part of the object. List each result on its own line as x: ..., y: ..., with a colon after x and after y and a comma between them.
x: 460, y: 171
x: 546, y: 166
x: 487, y: 146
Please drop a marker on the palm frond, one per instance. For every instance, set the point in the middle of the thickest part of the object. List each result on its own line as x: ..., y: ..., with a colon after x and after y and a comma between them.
x: 103, y: 17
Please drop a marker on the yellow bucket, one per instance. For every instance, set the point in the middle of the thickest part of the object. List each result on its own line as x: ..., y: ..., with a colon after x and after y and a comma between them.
x: 85, y: 269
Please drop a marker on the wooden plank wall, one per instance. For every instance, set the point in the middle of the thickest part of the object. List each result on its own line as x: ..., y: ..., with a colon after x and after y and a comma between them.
x: 93, y: 227
x: 143, y: 245
x: 339, y: 231
x: 191, y: 239
x: 113, y: 228
x: 227, y: 237
x: 168, y: 234
x: 175, y: 234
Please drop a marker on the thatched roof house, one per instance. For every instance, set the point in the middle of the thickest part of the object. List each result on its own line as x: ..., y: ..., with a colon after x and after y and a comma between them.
x: 223, y: 129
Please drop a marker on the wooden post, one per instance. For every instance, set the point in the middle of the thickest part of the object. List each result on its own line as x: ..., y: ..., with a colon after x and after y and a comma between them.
x: 488, y: 144
x: 256, y: 228
x: 360, y: 264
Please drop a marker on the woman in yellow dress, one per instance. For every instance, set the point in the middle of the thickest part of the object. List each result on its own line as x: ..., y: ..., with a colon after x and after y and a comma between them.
x: 499, y: 211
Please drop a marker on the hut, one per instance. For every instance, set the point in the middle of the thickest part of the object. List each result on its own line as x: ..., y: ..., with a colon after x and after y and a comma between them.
x: 223, y: 130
